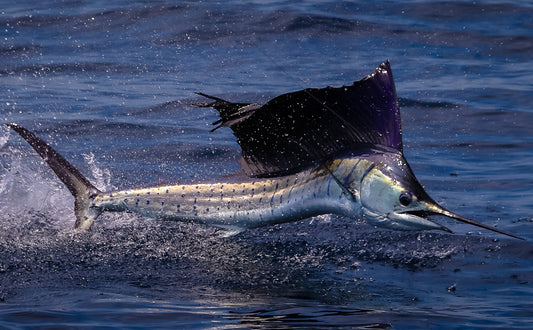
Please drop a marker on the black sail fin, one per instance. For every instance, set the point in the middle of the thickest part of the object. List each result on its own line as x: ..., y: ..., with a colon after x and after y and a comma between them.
x: 302, y: 129
x: 230, y: 113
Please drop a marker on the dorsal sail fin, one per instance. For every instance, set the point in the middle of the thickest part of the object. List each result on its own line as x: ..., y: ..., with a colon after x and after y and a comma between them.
x: 301, y: 129
x: 230, y: 113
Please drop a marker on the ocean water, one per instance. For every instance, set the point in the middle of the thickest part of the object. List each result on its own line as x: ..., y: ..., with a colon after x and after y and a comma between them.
x: 110, y: 86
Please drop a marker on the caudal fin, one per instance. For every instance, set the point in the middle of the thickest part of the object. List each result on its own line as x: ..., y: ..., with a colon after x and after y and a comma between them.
x: 82, y: 190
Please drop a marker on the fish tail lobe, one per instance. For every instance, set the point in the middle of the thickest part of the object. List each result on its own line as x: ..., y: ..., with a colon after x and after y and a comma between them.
x: 82, y: 189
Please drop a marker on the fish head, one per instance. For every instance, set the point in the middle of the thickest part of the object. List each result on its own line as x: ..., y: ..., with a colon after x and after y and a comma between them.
x: 392, y: 197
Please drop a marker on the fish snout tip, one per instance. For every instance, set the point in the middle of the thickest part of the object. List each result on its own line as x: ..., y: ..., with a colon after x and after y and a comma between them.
x: 439, y: 210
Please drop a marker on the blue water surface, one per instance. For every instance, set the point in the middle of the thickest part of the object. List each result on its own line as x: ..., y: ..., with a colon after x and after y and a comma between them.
x: 110, y: 85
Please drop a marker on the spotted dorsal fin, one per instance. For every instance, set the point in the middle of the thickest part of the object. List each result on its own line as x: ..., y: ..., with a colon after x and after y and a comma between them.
x: 301, y: 129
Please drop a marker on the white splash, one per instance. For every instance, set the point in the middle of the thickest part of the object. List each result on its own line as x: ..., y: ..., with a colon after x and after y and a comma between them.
x: 4, y: 135
x: 28, y: 186
x: 102, y: 176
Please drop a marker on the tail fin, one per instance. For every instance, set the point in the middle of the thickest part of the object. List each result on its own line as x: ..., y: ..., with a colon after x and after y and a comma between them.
x: 82, y: 190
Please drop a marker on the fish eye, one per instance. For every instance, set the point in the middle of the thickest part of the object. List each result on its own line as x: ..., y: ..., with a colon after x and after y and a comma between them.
x: 405, y: 198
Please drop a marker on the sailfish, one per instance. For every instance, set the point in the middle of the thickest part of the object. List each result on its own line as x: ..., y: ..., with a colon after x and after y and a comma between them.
x: 333, y: 150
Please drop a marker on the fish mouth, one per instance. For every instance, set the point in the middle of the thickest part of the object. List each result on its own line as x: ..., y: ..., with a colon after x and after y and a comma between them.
x: 425, y: 215
x: 437, y: 210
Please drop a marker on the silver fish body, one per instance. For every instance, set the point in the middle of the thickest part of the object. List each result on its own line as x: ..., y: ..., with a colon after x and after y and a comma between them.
x: 248, y: 203
x: 355, y: 187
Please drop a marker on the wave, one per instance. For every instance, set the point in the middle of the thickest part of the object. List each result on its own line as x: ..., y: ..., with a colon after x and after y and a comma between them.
x: 61, y: 68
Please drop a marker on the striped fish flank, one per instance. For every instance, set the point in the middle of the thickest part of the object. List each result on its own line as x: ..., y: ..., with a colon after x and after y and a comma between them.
x: 246, y: 204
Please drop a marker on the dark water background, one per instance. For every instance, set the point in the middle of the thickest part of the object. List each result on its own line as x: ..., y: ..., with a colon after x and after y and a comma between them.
x: 110, y: 83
